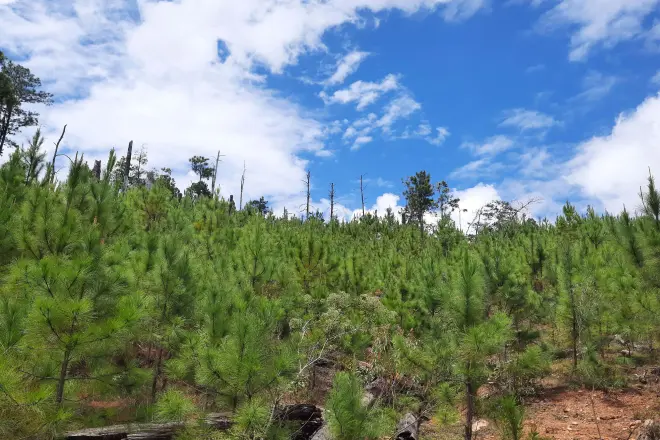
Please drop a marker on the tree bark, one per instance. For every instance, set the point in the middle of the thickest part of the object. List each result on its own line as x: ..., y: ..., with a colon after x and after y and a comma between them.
x: 469, y: 412
x: 574, y: 330
x: 127, y: 165
x: 57, y: 147
x: 5, y: 127
x: 64, y: 367
x: 157, y: 373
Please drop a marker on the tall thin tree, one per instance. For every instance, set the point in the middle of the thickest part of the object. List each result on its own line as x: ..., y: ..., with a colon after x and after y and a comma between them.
x: 127, y: 165
x: 215, y: 171
x: 240, y: 202
x: 307, y: 184
x: 362, y: 192
x: 332, y: 201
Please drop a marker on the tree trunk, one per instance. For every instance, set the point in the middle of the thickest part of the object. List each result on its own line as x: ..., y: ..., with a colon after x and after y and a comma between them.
x: 574, y: 330
x: 64, y: 367
x: 4, y: 129
x: 157, y: 373
x: 127, y: 165
x: 469, y: 412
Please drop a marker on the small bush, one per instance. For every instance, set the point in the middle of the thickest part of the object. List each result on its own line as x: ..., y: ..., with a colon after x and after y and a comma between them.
x: 174, y: 406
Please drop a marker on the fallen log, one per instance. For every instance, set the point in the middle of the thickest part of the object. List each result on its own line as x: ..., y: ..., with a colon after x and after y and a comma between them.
x: 406, y: 429
x: 136, y: 431
x: 304, y: 419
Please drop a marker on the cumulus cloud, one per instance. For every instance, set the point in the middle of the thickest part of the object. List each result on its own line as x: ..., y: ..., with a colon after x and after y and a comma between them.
x: 152, y: 73
x: 346, y: 66
x: 526, y: 120
x: 611, y: 169
x: 363, y: 93
x: 471, y: 200
x: 383, y: 202
x: 599, y: 23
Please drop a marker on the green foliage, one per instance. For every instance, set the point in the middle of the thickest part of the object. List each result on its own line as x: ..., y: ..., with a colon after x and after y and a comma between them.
x: 174, y: 305
x: 349, y: 416
x: 18, y: 86
x: 510, y: 416
x: 174, y: 406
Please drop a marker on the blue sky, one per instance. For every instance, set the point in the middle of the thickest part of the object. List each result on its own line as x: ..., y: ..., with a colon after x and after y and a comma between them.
x: 548, y: 99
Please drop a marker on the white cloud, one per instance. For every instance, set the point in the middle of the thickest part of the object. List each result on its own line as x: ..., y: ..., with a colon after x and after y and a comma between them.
x: 384, y: 201
x: 440, y: 137
x: 151, y: 73
x: 528, y: 120
x: 471, y: 200
x: 462, y: 9
x: 536, y: 162
x: 611, y: 169
x: 347, y: 66
x: 491, y: 146
x: 360, y: 141
x: 400, y: 108
x: 425, y: 131
x: 470, y: 169
x: 599, y: 22
x: 362, y: 92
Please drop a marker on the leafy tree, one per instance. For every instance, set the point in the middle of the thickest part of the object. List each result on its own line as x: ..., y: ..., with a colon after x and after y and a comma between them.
x: 420, y: 197
x: 200, y: 166
x: 260, y: 206
x: 447, y: 202
x: 197, y: 190
x: 18, y: 86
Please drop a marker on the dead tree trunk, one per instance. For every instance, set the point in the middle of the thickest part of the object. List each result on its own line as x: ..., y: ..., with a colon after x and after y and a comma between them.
x: 127, y: 165
x: 332, y: 201
x: 408, y: 428
x: 240, y: 202
x: 97, y: 169
x: 307, y: 181
x: 57, y: 147
x: 362, y: 192
x: 215, y: 172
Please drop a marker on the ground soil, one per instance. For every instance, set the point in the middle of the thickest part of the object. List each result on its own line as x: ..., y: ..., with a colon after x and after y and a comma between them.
x: 565, y: 412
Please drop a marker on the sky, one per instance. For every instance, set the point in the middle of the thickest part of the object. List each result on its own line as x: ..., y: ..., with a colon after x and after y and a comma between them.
x: 550, y: 100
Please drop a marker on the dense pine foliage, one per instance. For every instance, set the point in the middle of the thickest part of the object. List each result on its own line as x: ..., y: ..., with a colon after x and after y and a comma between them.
x: 140, y: 304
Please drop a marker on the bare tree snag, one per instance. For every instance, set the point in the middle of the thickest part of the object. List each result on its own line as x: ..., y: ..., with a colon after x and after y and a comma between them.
x: 362, y: 192
x: 332, y: 201
x: 240, y: 202
x: 307, y: 184
x: 57, y: 147
x: 97, y: 169
x: 127, y: 165
x: 215, y: 172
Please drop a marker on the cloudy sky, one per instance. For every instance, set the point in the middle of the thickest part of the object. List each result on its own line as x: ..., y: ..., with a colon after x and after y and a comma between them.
x: 510, y: 99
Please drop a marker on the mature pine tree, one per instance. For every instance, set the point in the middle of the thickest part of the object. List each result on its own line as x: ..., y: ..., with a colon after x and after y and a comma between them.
x: 420, y: 197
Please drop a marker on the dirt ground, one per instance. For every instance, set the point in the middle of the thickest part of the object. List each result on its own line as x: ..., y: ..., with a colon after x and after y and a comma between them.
x: 563, y: 413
